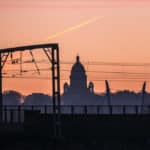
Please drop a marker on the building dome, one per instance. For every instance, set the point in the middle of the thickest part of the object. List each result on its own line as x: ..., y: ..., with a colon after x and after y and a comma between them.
x: 78, y: 78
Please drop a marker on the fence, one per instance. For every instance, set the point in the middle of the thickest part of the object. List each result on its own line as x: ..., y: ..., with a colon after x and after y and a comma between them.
x: 15, y: 114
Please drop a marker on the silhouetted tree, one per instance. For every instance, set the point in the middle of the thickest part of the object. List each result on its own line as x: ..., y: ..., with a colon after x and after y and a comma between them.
x: 37, y: 99
x: 12, y: 98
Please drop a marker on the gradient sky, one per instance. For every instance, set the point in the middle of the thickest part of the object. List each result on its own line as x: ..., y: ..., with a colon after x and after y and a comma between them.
x: 122, y: 35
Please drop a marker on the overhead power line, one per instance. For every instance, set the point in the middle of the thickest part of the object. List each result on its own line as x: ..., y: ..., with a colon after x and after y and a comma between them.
x: 96, y: 80
x: 90, y: 71
x: 96, y: 63
x: 108, y: 63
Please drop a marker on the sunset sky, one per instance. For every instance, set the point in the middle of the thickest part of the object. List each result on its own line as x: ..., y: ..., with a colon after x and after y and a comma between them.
x: 97, y: 30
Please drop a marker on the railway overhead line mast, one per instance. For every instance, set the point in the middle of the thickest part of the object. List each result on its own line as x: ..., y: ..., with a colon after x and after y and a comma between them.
x: 51, y: 51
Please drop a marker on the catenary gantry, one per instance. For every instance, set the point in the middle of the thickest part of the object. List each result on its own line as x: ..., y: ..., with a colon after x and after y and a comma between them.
x: 51, y: 51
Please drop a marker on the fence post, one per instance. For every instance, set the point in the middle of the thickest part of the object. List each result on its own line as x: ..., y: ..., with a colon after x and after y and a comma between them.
x: 72, y: 109
x: 124, y: 109
x: 45, y: 109
x: 110, y: 109
x: 32, y: 107
x: 5, y: 114
x: 136, y: 110
x: 11, y: 116
x: 98, y: 108
x: 85, y: 110
x: 19, y: 115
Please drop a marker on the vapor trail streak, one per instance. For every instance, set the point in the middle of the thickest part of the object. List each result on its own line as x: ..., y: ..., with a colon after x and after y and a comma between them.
x: 82, y: 24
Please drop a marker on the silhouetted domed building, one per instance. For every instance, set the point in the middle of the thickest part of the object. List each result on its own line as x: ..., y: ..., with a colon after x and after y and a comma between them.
x: 78, y: 93
x: 78, y: 78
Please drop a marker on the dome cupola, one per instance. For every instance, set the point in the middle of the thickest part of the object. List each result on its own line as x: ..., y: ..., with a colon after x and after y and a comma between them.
x: 78, y: 78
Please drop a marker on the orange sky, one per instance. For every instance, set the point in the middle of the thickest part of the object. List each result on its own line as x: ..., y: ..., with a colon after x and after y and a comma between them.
x: 123, y: 35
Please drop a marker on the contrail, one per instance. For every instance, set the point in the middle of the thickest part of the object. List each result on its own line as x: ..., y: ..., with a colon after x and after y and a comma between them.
x: 82, y: 24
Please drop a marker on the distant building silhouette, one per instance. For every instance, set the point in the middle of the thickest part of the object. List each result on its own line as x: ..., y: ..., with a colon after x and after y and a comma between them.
x: 78, y: 93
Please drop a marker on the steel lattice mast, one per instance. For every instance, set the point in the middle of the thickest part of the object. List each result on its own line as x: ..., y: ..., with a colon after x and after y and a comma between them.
x: 52, y: 53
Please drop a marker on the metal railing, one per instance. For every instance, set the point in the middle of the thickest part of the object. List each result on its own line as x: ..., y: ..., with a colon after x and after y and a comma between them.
x: 15, y: 114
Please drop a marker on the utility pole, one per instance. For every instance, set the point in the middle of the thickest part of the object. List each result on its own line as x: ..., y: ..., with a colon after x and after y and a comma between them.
x: 143, y: 96
x: 108, y: 93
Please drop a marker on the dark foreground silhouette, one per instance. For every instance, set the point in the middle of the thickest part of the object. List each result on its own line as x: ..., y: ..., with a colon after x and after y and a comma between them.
x: 77, y: 131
